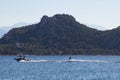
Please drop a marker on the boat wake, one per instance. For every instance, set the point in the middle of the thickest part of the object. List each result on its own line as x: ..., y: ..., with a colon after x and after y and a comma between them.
x: 72, y: 60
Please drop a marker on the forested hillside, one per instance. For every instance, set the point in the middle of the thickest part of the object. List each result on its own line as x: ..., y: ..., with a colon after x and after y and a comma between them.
x: 60, y: 35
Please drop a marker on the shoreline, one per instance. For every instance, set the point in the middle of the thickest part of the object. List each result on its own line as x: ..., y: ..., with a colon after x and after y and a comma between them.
x: 62, y: 55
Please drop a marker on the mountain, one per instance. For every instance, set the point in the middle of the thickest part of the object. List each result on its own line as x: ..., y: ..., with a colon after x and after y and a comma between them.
x: 96, y: 26
x: 5, y: 29
x: 109, y: 39
x: 60, y: 35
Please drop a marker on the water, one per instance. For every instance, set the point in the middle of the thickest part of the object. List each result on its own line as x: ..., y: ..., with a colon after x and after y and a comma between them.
x: 12, y: 70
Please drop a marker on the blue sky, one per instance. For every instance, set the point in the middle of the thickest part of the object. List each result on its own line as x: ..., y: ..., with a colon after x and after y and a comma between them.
x: 105, y: 13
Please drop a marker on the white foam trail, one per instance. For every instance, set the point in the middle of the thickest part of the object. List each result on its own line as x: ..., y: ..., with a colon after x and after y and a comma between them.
x: 72, y: 60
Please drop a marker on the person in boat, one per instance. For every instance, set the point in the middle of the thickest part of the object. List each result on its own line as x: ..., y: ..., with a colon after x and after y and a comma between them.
x: 21, y: 57
x: 70, y: 58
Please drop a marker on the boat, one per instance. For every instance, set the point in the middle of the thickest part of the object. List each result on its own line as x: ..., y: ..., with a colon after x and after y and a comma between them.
x: 21, y: 58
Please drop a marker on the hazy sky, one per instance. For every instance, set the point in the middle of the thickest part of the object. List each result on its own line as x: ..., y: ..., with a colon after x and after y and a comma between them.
x: 105, y: 13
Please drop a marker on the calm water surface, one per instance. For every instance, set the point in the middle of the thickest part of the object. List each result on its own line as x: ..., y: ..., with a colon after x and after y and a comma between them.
x: 12, y: 70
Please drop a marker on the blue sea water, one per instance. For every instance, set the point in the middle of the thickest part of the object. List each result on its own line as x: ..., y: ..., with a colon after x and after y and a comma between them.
x: 12, y: 70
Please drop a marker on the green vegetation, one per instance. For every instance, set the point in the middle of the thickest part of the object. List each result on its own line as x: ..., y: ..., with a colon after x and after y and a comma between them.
x: 60, y: 35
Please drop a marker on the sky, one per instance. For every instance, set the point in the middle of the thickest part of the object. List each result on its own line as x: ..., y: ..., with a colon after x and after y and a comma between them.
x: 104, y: 13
